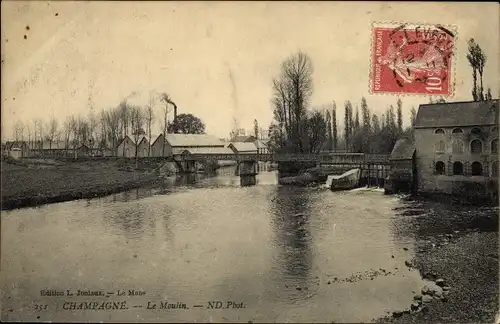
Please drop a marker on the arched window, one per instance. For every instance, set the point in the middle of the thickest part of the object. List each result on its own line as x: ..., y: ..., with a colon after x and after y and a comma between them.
x: 476, y: 169
x: 494, y: 146
x: 439, y: 131
x: 440, y: 147
x: 457, y: 131
x: 458, y: 168
x: 476, y: 146
x: 458, y: 146
x: 440, y: 167
x: 476, y: 130
x: 494, y: 169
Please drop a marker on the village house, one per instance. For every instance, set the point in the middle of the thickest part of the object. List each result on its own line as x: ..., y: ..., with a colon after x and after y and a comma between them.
x: 16, y: 149
x: 177, y: 143
x: 456, y: 145
x: 143, y: 148
x: 243, y: 147
x: 126, y: 148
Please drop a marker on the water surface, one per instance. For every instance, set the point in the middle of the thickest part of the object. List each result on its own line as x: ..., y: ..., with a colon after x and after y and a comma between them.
x: 288, y: 254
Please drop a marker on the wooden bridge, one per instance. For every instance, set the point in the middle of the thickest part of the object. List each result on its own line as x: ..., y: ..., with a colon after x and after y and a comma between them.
x: 323, y: 158
x: 247, y: 162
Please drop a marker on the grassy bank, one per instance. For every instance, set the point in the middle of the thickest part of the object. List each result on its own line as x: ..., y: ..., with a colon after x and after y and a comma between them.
x: 35, y: 182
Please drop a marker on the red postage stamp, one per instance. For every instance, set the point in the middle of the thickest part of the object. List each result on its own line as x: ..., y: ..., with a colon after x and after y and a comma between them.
x: 412, y: 59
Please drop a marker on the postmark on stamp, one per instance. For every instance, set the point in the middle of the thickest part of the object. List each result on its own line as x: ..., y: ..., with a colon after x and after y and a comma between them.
x: 412, y: 59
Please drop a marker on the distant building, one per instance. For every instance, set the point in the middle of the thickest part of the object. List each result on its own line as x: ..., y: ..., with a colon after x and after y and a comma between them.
x: 243, y: 139
x: 262, y: 146
x: 456, y: 145
x: 243, y: 147
x: 126, y: 148
x: 143, y: 147
x: 16, y: 149
x: 403, y: 168
x: 51, y: 148
x: 177, y: 143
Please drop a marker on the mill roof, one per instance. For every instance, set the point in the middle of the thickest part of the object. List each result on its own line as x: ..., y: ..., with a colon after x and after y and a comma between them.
x: 244, y: 147
x: 193, y: 140
x: 450, y: 114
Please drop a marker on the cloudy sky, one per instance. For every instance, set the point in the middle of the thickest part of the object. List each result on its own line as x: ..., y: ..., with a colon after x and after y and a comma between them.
x: 192, y: 50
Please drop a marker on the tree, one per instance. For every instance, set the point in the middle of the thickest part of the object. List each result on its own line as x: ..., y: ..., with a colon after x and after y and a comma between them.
x: 150, y: 116
x: 400, y: 115
x: 19, y: 131
x: 376, y: 124
x: 291, y: 94
x: 488, y: 95
x: 334, y: 126
x: 187, y: 124
x: 356, y: 119
x: 275, y: 135
x: 477, y: 60
x: 316, y: 132
x: 51, y: 132
x: 413, y: 113
x: 365, y: 113
x: 329, y: 144
x: 256, y: 128
x: 348, y: 125
x: 137, y: 123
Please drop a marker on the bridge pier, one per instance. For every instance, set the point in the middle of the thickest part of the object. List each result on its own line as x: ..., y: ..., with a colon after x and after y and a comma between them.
x: 247, y: 173
x: 189, y: 166
x: 248, y: 168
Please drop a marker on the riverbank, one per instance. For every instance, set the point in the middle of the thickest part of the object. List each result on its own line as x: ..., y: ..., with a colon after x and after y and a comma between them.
x: 462, y: 249
x: 29, y: 183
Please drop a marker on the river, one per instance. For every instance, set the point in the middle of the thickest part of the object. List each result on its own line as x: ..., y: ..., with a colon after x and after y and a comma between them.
x: 278, y: 254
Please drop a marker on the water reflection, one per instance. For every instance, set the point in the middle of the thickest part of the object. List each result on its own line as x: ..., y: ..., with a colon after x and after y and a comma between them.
x: 293, y: 256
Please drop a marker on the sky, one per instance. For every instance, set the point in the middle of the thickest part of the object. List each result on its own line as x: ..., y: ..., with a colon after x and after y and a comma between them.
x: 215, y: 59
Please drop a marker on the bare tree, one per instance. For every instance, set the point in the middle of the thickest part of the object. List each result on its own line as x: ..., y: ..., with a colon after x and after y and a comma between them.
x: 40, y: 132
x: 74, y: 129
x: 67, y: 131
x: 291, y: 94
x: 112, y: 121
x: 28, y: 130
x: 137, y: 121
x: 150, y: 116
x: 51, y: 132
x: 93, y: 128
x: 19, y: 131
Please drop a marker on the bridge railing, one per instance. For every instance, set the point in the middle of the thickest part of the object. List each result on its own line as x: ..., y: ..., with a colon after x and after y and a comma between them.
x: 354, y: 158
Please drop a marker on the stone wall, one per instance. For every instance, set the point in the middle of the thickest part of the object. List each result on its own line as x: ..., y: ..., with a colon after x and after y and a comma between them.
x: 455, y: 147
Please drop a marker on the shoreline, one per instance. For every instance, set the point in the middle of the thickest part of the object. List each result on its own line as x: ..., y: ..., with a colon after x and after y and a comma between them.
x: 102, y: 190
x: 34, y: 183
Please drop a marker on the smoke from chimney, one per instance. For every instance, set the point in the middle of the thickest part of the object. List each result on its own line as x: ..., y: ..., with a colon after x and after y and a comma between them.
x: 167, y: 99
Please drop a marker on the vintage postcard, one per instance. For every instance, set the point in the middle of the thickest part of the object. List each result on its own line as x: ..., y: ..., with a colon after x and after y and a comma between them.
x: 249, y: 162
